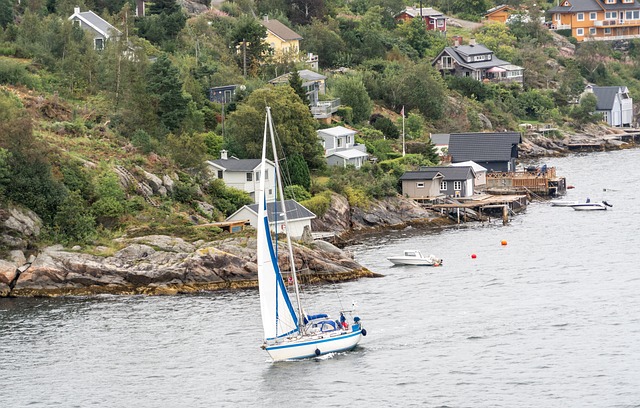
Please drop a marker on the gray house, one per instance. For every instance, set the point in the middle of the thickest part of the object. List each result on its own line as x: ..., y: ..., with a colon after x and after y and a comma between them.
x: 493, y: 151
x: 478, y: 62
x: 97, y: 28
x: 436, y: 181
x: 340, y: 148
x: 614, y: 103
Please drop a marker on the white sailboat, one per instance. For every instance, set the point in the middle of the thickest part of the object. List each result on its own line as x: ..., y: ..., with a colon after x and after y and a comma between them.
x: 289, y: 333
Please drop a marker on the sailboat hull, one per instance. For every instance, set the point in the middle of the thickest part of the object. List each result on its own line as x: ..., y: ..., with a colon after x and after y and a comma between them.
x: 313, y: 346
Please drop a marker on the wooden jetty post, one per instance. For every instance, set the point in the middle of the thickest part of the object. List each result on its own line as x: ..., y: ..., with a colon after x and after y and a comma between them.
x: 505, y: 215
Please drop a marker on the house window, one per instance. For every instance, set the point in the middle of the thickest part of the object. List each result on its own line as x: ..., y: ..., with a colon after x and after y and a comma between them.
x: 605, y: 116
x: 447, y: 62
x: 580, y: 32
x: 419, y: 185
x: 580, y: 16
x: 270, y: 191
x: 249, y: 176
x: 339, y: 142
x: 220, y: 174
x: 629, y: 15
x: 440, y: 23
x: 592, y: 31
x: 443, y: 185
x: 479, y: 57
x: 607, y: 31
x: 636, y: 15
x: 99, y: 44
x: 593, y: 16
x: 610, y: 15
x: 457, y: 185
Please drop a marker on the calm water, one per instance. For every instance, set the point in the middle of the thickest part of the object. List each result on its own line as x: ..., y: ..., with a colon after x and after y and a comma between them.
x: 549, y: 320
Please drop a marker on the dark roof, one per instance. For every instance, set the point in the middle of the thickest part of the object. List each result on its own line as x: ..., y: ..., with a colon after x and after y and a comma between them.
x: 295, y: 211
x: 606, y: 96
x: 580, y: 5
x: 482, y: 147
x: 497, y: 8
x: 280, y: 30
x: 421, y: 175
x: 452, y: 173
x: 446, y: 172
x: 458, y: 53
x: 439, y: 138
x: 237, y: 164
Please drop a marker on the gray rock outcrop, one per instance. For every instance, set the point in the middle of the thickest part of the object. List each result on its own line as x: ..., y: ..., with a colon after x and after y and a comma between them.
x: 166, y: 265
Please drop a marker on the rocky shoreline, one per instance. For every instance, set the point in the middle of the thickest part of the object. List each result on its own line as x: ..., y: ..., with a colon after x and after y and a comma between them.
x: 163, y: 265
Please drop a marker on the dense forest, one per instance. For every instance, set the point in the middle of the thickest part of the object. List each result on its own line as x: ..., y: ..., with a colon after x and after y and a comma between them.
x: 71, y: 115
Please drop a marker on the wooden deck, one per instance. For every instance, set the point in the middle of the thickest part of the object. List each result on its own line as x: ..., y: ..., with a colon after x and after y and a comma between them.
x: 538, y: 181
x: 480, y: 207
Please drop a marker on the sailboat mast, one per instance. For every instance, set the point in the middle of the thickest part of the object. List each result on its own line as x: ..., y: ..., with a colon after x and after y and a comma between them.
x: 286, y: 220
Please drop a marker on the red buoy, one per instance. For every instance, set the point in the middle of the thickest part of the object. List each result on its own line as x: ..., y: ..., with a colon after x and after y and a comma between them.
x: 503, y: 242
x: 473, y: 256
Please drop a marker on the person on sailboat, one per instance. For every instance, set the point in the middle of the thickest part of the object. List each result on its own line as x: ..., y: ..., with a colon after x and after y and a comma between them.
x: 343, y: 321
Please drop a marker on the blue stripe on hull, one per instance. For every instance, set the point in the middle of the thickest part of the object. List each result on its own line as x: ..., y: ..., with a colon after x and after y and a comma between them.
x: 308, y: 343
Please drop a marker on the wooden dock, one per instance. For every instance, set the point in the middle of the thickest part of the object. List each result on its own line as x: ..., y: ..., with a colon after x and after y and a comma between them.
x: 541, y: 181
x: 480, y: 207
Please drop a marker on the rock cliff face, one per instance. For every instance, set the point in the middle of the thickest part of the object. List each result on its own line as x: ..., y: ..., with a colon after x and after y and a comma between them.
x: 343, y: 219
x: 166, y: 265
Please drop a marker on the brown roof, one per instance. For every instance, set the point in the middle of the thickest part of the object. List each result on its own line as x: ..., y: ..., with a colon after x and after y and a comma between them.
x: 280, y: 30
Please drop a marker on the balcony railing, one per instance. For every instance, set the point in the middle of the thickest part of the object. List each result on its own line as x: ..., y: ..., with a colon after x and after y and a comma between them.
x: 324, y: 109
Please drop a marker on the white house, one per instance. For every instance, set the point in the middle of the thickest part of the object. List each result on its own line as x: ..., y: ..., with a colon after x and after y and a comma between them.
x: 243, y: 174
x: 481, y: 172
x: 614, y: 103
x: 95, y: 26
x: 297, y: 215
x: 340, y: 148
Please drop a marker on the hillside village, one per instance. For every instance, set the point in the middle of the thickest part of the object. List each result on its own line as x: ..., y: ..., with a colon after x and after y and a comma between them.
x: 133, y: 128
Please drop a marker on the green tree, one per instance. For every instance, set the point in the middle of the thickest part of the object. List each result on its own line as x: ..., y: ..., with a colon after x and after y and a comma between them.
x: 111, y: 202
x: 322, y: 38
x: 423, y: 41
x: 292, y: 120
x: 418, y: 81
x: 352, y: 92
x: 248, y: 39
x: 298, y: 171
x: 165, y: 92
x: 295, y: 82
x: 414, y: 125
x: 74, y: 220
x: 187, y: 149
x: 498, y: 38
x: 5, y: 171
x: 585, y: 112
x: 6, y: 12
x: 385, y: 125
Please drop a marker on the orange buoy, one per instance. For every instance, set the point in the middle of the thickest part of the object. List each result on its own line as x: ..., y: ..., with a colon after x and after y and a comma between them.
x: 473, y: 256
x: 503, y: 242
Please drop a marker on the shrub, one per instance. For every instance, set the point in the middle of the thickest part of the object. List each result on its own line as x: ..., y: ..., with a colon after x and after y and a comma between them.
x: 356, y: 197
x: 319, y: 204
x: 74, y: 222
x: 296, y: 192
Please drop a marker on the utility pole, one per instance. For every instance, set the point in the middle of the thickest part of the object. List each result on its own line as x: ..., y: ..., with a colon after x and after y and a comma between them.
x: 244, y: 58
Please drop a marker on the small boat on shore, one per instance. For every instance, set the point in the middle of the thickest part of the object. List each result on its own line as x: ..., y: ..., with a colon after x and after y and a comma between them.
x: 591, y: 206
x: 415, y: 257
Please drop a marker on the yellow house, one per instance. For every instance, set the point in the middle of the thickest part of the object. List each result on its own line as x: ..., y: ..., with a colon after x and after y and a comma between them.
x: 499, y: 13
x: 282, y: 40
x: 603, y: 20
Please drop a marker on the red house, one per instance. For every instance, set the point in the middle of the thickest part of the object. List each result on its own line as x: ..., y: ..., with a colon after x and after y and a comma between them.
x: 433, y: 19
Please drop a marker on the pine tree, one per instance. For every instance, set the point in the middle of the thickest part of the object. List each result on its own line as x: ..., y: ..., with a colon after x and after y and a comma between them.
x: 296, y: 83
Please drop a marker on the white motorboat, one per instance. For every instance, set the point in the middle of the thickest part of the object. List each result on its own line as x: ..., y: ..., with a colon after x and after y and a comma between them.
x: 415, y: 257
x: 289, y: 332
x: 563, y: 203
x: 591, y: 206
